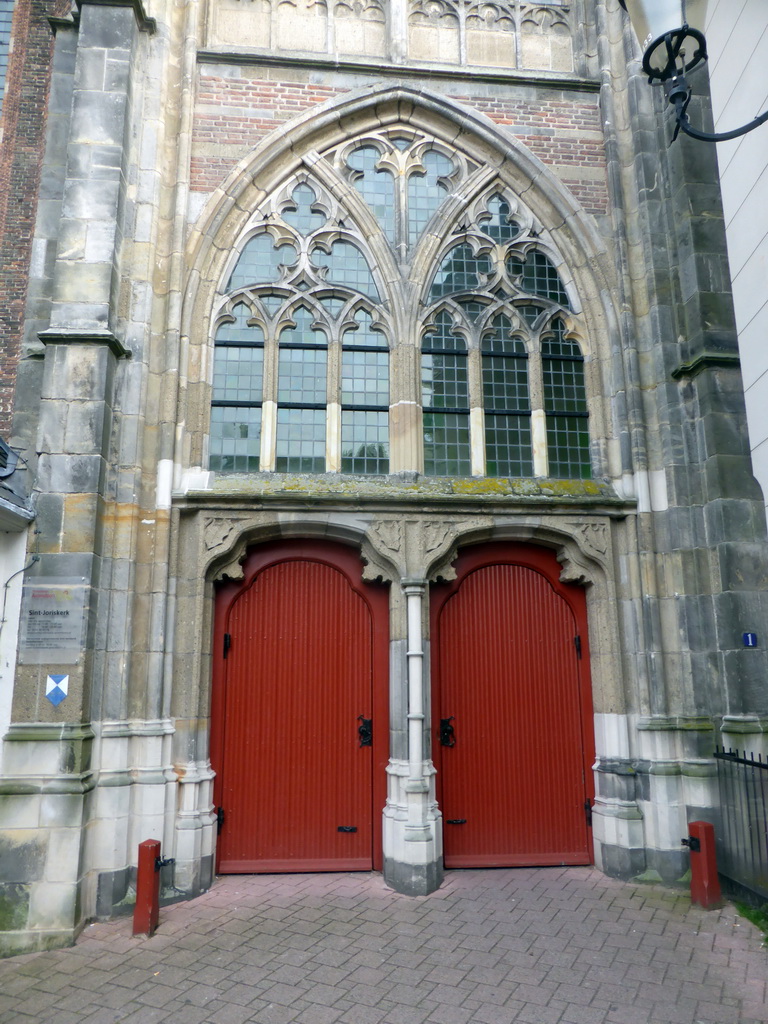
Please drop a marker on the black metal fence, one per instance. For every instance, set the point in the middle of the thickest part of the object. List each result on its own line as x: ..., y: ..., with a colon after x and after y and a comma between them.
x: 742, y: 839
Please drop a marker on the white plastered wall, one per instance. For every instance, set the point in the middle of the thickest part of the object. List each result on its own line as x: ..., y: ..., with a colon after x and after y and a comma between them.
x: 737, y: 39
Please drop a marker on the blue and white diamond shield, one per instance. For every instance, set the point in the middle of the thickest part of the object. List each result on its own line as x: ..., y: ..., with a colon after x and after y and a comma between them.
x: 56, y: 688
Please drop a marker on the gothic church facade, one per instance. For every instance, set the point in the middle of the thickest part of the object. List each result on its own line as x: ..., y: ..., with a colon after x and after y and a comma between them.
x: 379, y: 401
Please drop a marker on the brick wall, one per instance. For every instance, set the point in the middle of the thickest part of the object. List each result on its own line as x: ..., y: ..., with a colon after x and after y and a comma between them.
x: 234, y: 114
x: 21, y: 154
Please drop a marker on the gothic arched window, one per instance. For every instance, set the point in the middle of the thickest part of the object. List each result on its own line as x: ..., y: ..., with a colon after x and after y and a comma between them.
x: 375, y: 252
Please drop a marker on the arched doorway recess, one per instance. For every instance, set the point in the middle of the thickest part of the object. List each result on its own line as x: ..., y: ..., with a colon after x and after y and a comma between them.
x: 512, y: 716
x: 300, y: 670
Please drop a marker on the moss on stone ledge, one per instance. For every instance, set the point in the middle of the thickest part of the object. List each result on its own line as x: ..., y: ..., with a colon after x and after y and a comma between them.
x: 408, y: 486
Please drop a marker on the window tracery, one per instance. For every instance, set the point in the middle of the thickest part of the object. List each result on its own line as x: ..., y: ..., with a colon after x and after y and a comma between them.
x: 322, y: 289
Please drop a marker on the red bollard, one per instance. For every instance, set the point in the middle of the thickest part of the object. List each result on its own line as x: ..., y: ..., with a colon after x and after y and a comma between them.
x: 705, y: 885
x: 147, y: 910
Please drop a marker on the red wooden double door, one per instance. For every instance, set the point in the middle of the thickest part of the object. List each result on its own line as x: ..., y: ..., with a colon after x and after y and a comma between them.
x: 301, y: 669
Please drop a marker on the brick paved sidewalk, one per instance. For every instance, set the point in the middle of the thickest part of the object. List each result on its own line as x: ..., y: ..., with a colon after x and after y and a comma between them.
x: 538, y: 946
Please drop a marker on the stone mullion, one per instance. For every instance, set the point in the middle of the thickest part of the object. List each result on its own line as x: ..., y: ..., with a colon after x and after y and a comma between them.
x: 476, y: 416
x: 405, y: 422
x: 269, y: 403
x: 538, y: 415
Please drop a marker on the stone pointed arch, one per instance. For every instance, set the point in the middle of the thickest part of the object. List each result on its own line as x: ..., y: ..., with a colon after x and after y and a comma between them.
x: 296, y: 145
x: 297, y: 151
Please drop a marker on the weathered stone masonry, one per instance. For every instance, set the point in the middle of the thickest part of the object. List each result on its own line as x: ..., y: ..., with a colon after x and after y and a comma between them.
x: 177, y: 134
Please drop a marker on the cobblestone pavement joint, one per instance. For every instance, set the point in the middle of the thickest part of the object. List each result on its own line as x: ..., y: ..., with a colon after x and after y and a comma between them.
x: 530, y: 945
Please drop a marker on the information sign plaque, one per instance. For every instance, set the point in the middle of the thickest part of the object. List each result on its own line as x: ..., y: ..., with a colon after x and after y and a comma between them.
x: 52, y: 618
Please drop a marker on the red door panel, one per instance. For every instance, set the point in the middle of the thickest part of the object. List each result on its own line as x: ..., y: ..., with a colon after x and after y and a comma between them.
x: 508, y: 672
x: 295, y: 784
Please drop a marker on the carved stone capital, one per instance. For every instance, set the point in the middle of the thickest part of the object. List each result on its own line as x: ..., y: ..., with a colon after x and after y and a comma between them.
x: 413, y: 548
x: 589, y: 545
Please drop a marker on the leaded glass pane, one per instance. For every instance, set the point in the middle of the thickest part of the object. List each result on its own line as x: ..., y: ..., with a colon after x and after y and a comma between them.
x: 300, y: 441
x: 376, y: 187
x: 473, y: 308
x: 238, y: 374
x: 364, y: 442
x: 459, y: 272
x: 442, y: 337
x: 446, y: 444
x: 272, y: 303
x: 332, y: 305
x: 556, y: 344
x: 568, y: 447
x: 6, y: 16
x: 260, y: 262
x: 303, y: 333
x: 365, y: 333
x: 529, y: 313
x: 235, y: 439
x: 302, y: 362
x: 365, y: 378
x: 426, y: 192
x: 444, y: 382
x: 565, y: 404
x: 563, y: 369
x: 505, y: 383
x: 499, y: 224
x: 302, y: 216
x: 348, y: 267
x: 538, y: 277
x: 508, y: 445
x: 301, y: 376
x: 239, y: 329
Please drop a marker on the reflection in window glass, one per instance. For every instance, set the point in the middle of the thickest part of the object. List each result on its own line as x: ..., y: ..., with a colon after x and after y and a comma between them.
x: 238, y: 370
x: 260, y: 262
x: 538, y: 277
x: 498, y: 223
x: 365, y: 400
x: 235, y: 439
x: 445, y: 397
x: 426, y: 192
x: 364, y: 442
x: 376, y: 187
x: 300, y: 441
x: 348, y: 267
x: 6, y: 16
x: 365, y: 378
x: 529, y: 313
x: 301, y: 397
x: 508, y: 447
x: 301, y: 216
x: 565, y: 405
x: 460, y: 272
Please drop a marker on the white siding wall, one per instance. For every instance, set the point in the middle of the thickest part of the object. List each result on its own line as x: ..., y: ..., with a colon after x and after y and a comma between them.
x: 737, y: 37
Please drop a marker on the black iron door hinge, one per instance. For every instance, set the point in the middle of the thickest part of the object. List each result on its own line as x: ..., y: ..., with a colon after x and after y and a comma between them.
x: 577, y: 642
x: 219, y: 819
x: 588, y: 812
x: 227, y: 643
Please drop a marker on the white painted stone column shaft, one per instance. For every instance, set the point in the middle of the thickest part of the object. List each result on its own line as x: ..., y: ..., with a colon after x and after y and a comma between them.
x: 414, y: 593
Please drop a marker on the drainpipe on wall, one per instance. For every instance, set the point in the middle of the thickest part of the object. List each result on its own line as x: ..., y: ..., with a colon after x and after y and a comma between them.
x: 417, y: 786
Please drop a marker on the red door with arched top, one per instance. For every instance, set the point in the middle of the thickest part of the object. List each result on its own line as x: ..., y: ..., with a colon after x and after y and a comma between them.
x: 513, y: 734
x: 299, y: 729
